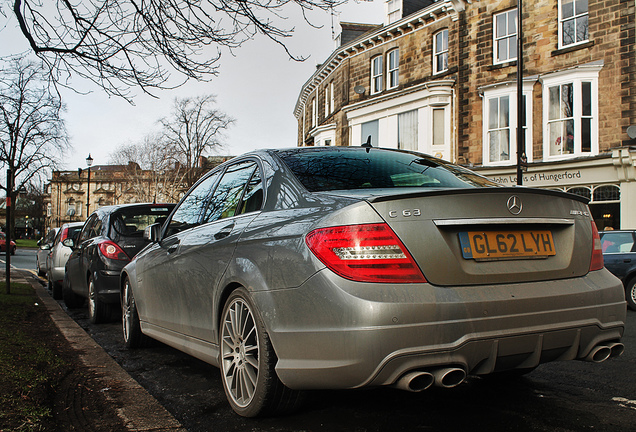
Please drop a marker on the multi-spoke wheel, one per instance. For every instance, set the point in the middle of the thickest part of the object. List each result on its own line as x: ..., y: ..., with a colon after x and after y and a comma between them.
x: 630, y: 294
x: 98, y: 311
x: 131, y: 328
x: 247, y: 361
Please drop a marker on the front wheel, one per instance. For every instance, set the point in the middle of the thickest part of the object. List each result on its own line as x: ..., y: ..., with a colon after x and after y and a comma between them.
x: 248, y: 360
x: 131, y: 328
x: 630, y: 294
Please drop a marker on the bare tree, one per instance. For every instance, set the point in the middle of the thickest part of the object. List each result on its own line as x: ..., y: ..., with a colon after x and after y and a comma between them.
x: 161, y: 177
x: 33, y: 135
x: 120, y: 44
x: 194, y: 129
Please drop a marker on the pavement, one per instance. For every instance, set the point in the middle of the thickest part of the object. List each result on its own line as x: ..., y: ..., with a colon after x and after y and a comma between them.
x: 138, y: 410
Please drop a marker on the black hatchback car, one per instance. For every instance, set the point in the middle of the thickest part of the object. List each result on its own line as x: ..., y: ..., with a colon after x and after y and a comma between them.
x: 619, y: 254
x: 109, y: 239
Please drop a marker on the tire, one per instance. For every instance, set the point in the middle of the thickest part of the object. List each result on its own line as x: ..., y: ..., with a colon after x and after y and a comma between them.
x: 630, y: 294
x: 12, y: 251
x: 41, y: 273
x: 71, y: 300
x: 247, y: 362
x: 98, y: 311
x: 131, y: 328
x: 56, y: 290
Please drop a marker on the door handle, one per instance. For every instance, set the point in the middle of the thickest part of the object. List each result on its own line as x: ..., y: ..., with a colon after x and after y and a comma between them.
x: 225, y: 231
x: 172, y: 247
x: 627, y: 260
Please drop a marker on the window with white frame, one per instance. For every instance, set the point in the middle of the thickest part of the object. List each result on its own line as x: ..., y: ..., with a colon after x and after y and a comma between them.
x: 500, y: 125
x: 573, y: 22
x: 440, y: 51
x: 331, y: 94
x: 570, y: 107
x: 314, y: 112
x: 393, y: 68
x: 327, y: 102
x: 376, y: 75
x: 393, y: 10
x: 505, y: 33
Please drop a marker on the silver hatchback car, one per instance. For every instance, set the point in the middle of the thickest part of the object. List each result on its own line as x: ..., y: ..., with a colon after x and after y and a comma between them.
x: 341, y: 268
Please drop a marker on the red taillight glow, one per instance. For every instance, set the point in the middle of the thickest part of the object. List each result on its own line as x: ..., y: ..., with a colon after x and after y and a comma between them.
x: 112, y: 251
x: 64, y: 234
x: 597, y: 262
x: 365, y: 253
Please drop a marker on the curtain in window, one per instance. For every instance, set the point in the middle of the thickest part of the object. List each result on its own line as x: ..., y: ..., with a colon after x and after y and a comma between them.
x: 407, y: 130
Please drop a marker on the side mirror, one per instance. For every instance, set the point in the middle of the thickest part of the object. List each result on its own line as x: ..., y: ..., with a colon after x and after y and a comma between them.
x: 152, y: 233
x: 69, y: 242
x: 47, y: 246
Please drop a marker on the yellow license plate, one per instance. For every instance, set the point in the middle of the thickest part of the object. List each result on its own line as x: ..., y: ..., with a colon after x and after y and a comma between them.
x: 485, y: 245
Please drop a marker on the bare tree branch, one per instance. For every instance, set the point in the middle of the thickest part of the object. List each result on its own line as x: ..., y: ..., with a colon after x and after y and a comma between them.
x: 123, y: 44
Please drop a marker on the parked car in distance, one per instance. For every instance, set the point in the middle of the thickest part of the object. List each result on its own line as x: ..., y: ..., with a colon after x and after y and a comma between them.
x: 58, y: 255
x: 343, y: 267
x: 3, y: 244
x: 619, y: 254
x: 109, y: 238
x: 42, y: 255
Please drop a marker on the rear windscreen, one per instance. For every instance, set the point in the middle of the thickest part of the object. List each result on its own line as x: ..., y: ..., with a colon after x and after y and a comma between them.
x: 131, y: 222
x: 360, y: 168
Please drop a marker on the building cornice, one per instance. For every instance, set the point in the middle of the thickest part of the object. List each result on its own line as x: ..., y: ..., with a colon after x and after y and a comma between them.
x: 422, y: 19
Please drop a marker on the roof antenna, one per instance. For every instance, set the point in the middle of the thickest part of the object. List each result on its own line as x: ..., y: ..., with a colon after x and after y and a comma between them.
x: 368, y: 143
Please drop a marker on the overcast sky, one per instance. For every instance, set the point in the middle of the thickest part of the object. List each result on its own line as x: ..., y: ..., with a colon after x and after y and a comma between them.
x: 258, y: 86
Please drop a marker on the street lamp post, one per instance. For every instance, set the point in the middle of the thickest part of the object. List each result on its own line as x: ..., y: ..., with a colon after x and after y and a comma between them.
x: 89, y: 162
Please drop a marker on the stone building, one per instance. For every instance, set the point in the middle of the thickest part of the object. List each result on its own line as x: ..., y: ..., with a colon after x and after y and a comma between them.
x: 68, y: 200
x: 440, y: 77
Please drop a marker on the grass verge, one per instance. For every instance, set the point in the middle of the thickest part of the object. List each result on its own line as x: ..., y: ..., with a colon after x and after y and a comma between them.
x: 29, y: 370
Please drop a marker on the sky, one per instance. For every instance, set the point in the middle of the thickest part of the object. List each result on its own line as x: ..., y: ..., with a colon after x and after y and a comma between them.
x: 258, y: 87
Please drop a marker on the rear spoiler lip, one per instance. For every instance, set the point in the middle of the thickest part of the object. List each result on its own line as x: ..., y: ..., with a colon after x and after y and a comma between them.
x: 510, y: 190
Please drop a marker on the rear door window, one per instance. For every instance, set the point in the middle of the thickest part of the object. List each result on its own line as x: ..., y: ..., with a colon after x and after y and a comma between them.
x: 132, y: 221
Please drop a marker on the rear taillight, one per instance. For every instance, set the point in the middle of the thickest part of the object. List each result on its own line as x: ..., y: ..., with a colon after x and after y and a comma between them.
x: 112, y: 250
x: 64, y: 234
x: 597, y: 251
x: 365, y: 253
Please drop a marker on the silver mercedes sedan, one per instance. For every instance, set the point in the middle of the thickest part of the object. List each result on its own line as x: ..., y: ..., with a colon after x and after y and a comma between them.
x: 342, y: 267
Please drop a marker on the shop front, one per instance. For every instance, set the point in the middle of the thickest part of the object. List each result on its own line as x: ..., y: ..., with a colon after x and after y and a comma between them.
x: 608, y: 181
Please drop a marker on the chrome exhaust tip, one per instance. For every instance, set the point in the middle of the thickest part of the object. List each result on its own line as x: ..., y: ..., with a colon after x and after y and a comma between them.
x: 616, y: 349
x: 449, y: 377
x: 415, y: 381
x: 599, y: 354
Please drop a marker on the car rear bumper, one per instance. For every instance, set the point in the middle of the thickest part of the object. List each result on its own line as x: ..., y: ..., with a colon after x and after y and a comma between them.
x: 341, y: 334
x: 107, y: 286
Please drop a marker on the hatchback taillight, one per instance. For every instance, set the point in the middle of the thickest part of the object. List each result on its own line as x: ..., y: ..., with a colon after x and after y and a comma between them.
x: 365, y: 253
x: 597, y: 251
x: 112, y: 250
x: 64, y: 234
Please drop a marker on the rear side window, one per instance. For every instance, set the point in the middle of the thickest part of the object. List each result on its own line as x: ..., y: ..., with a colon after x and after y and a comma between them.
x: 617, y: 242
x: 362, y: 168
x: 132, y: 221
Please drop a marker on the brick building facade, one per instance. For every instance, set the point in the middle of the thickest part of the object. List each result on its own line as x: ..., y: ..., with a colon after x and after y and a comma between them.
x: 440, y: 77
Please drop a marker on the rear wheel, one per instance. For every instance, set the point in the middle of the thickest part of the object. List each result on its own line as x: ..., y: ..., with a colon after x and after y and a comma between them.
x: 630, y: 294
x: 131, y: 328
x: 247, y: 362
x: 71, y: 300
x: 98, y: 311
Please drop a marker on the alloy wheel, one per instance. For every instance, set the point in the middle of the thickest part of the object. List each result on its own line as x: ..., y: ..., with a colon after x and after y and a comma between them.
x: 240, y: 352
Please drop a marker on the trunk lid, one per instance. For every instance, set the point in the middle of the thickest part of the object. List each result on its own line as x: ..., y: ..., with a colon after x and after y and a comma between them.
x: 471, y: 237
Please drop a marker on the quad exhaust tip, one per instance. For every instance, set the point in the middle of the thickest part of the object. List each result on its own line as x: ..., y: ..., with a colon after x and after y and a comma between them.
x: 600, y: 353
x: 418, y: 381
